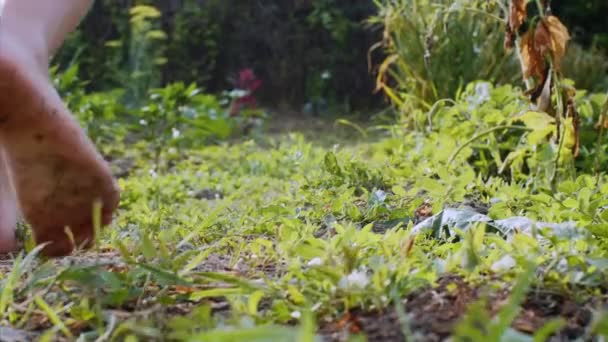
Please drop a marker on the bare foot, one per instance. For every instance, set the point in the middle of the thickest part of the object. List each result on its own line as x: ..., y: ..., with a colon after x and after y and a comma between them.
x: 8, y: 209
x: 57, y: 172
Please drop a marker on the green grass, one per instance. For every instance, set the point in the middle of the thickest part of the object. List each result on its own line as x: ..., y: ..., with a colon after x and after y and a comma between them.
x: 286, y: 238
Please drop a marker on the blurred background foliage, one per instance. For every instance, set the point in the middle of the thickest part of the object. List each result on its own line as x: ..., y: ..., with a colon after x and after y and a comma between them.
x: 587, y: 20
x: 313, y: 54
x: 304, y: 51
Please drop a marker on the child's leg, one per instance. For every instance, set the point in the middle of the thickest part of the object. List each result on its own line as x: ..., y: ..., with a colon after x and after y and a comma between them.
x: 57, y: 172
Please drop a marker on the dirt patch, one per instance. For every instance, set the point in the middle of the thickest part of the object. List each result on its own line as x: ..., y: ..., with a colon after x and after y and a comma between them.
x: 376, y: 326
x: 433, y: 313
x: 541, y: 307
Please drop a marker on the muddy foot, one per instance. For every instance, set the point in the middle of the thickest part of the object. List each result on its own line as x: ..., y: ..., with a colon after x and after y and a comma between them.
x: 57, y: 172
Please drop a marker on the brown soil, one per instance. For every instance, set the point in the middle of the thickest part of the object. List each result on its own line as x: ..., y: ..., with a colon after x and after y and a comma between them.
x: 432, y: 314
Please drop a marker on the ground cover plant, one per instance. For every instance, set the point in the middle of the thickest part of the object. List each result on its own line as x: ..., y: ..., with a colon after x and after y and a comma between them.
x: 284, y: 238
x: 475, y: 217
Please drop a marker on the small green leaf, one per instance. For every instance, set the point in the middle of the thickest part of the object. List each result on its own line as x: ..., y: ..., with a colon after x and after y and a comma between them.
x: 53, y: 316
x: 570, y: 203
x: 219, y: 292
x: 254, y: 301
x: 536, y: 120
x: 399, y: 191
x: 147, y: 247
x: 295, y: 295
x: 331, y: 164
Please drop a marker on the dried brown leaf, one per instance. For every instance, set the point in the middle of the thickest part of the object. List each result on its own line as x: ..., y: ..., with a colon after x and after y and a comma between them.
x: 348, y: 321
x: 542, y: 39
x: 559, y: 39
x: 424, y: 211
x: 532, y: 60
x: 383, y: 71
x: 551, y: 38
x: 517, y: 14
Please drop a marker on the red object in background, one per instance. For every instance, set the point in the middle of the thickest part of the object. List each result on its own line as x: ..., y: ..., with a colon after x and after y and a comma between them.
x: 248, y: 82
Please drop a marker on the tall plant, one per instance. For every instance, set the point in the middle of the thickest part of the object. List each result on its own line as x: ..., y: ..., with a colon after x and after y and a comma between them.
x: 146, y: 52
x: 541, y: 40
x: 435, y: 47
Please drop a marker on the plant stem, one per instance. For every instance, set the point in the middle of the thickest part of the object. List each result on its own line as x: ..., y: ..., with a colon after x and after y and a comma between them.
x: 541, y: 10
x: 598, y: 143
x: 481, y: 135
x: 561, y: 131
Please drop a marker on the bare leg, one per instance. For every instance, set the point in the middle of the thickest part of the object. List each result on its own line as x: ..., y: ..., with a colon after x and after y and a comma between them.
x: 57, y: 172
x: 44, y: 24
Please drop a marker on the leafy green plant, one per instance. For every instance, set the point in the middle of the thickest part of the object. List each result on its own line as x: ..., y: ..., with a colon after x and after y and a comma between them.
x: 549, y: 139
x: 101, y: 114
x: 261, y: 237
x: 179, y: 115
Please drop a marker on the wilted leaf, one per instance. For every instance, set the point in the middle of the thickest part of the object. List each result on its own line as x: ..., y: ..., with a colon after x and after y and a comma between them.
x: 542, y: 38
x: 532, y: 60
x: 549, y: 39
x: 381, y: 79
x: 559, y: 39
x: 517, y: 14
